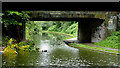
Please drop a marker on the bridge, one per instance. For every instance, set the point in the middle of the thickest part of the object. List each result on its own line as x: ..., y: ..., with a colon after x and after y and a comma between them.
x: 92, y: 25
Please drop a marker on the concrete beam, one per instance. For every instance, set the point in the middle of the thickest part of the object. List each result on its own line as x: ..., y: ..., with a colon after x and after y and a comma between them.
x: 49, y: 15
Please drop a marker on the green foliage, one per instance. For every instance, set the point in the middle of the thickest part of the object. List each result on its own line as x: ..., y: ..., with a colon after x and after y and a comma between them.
x: 21, y: 43
x: 4, y: 40
x: 34, y: 28
x: 72, y: 29
x: 65, y: 27
x: 12, y: 22
x: 14, y: 17
x: 116, y: 33
x: 52, y: 28
x: 112, y: 41
x: 93, y: 48
x: 26, y: 42
x: 13, y: 47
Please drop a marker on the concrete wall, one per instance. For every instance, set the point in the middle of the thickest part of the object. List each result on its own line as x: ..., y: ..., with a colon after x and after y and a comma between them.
x: 118, y: 24
x: 91, y: 30
x: 98, y: 31
x: 111, y: 24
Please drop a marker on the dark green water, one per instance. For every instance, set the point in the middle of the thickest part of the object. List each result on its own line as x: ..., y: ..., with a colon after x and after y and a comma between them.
x: 59, y: 54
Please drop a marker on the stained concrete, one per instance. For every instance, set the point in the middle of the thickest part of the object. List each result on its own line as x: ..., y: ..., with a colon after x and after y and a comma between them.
x: 84, y: 31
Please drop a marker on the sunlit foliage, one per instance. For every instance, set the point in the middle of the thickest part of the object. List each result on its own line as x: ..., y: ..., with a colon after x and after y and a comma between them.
x: 36, y: 27
x: 14, y: 17
x: 13, y: 48
x: 113, y: 41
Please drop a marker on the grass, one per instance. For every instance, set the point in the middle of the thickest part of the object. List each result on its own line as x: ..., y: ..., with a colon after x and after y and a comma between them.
x: 70, y: 36
x: 93, y: 48
x: 112, y: 41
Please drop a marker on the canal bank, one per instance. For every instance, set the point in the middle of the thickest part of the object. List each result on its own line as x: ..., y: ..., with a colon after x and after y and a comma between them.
x: 60, y: 33
x: 73, y: 43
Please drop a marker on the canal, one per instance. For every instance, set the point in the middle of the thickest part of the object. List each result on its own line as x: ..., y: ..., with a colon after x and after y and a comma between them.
x: 59, y: 54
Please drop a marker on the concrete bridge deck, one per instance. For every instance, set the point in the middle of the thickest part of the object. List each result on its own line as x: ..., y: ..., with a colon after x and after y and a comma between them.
x: 76, y: 15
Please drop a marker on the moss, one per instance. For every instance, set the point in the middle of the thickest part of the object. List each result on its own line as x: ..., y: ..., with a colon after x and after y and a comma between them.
x: 100, y: 16
x: 112, y: 41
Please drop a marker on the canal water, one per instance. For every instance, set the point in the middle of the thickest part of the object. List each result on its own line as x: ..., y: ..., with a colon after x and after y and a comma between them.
x: 59, y: 54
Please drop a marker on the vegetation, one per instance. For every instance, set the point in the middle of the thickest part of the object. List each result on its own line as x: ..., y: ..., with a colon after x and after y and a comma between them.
x: 68, y: 36
x: 112, y: 41
x: 12, y: 22
x: 13, y: 47
x: 93, y: 48
x: 32, y: 28
x: 14, y: 17
x: 64, y: 27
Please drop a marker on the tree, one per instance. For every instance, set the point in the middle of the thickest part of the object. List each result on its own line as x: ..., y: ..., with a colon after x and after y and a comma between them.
x: 13, y: 23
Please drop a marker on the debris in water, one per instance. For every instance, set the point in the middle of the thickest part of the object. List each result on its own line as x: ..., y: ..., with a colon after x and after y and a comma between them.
x: 44, y: 50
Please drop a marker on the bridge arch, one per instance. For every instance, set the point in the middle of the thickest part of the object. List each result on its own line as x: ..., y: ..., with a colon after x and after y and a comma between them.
x: 87, y: 22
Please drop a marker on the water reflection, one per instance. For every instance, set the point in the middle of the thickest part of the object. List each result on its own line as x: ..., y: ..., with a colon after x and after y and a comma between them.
x: 96, y: 58
x: 59, y: 54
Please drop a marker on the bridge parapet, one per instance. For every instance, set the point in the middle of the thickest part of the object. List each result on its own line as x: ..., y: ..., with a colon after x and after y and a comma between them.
x: 69, y: 14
